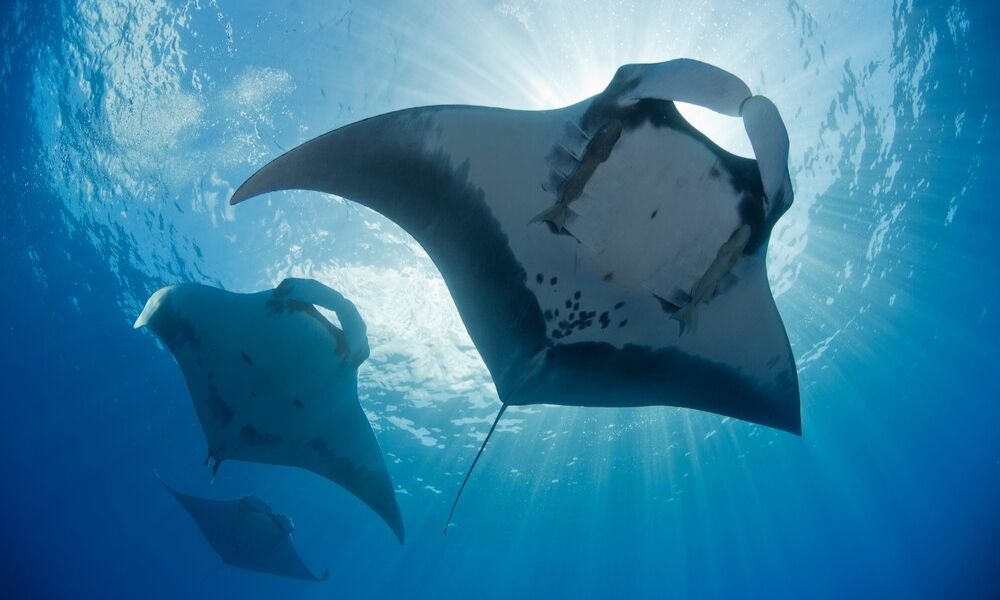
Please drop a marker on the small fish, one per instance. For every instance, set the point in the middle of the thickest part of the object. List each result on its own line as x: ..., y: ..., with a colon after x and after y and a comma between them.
x: 598, y: 150
x: 729, y: 253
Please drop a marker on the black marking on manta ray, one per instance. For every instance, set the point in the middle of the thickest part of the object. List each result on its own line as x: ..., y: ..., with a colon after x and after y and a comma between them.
x: 276, y: 304
x: 173, y: 329
x: 220, y: 410
x: 667, y: 373
x: 578, y: 319
x: 251, y: 436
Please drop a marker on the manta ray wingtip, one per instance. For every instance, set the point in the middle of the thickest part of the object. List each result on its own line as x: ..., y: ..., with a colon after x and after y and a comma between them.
x: 397, y: 529
x: 152, y: 305
x: 240, y: 194
x: 257, y: 184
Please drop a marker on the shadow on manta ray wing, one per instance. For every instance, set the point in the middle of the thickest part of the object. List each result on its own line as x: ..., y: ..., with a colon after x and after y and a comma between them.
x: 583, y: 286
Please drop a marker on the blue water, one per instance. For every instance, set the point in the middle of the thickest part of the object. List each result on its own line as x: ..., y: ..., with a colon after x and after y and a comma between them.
x: 127, y: 125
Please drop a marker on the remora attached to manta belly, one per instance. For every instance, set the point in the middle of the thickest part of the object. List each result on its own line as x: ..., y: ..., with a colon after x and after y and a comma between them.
x: 578, y: 242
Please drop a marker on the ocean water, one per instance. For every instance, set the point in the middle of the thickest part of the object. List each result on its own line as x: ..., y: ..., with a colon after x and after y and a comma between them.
x: 127, y: 125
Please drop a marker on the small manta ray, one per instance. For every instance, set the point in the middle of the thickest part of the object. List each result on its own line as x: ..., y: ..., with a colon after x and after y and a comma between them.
x: 274, y: 382
x: 246, y: 533
x: 602, y: 254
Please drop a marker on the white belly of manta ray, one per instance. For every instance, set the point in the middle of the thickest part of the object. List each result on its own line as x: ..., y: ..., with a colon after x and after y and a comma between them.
x: 662, y: 228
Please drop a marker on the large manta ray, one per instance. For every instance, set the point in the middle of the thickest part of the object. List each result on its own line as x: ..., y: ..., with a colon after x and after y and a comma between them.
x: 274, y: 382
x: 602, y: 254
x: 247, y: 534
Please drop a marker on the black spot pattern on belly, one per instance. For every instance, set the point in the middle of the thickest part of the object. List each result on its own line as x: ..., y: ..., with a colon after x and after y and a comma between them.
x: 578, y: 319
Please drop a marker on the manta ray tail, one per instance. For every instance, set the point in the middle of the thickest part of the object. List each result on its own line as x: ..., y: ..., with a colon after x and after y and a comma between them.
x: 503, y: 407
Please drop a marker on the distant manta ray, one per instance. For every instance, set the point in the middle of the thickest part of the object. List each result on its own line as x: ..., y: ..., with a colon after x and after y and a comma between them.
x: 602, y: 254
x: 247, y: 534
